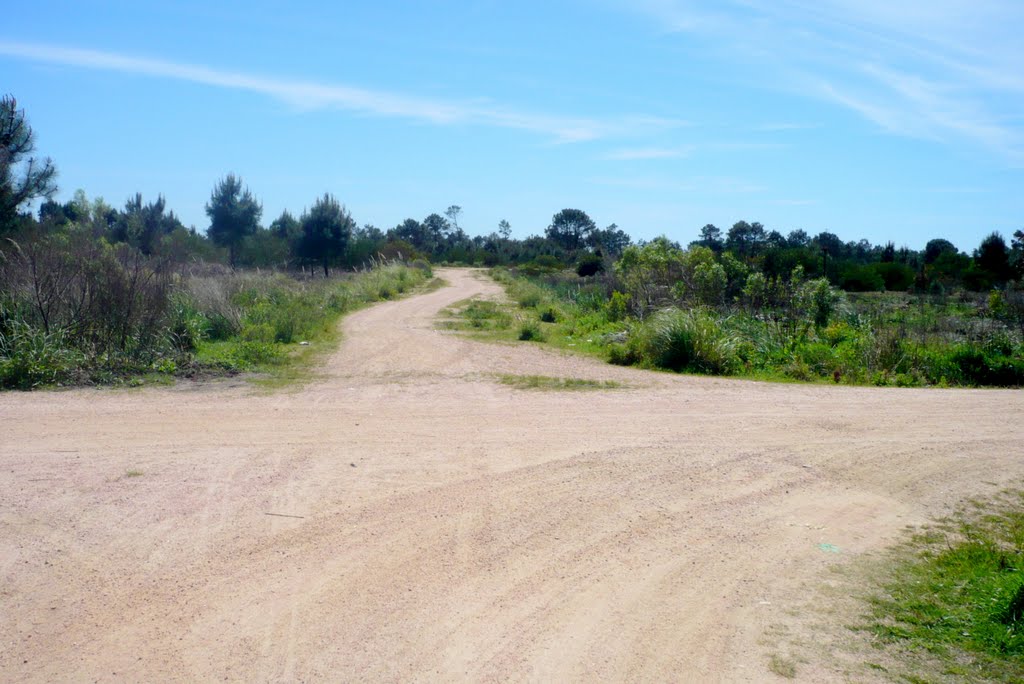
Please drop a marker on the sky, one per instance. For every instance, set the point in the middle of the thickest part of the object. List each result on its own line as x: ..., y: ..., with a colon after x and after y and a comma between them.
x: 888, y: 121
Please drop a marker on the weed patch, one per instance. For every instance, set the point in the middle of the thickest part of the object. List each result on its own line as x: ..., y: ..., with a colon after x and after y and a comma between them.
x: 544, y: 382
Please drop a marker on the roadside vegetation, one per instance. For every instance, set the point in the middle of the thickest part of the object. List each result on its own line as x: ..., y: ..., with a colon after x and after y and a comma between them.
x: 796, y: 328
x: 73, y: 313
x: 93, y: 293
x: 950, y: 601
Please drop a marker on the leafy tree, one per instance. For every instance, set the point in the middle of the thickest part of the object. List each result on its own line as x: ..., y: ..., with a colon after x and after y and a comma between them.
x: 412, y: 232
x: 647, y: 271
x: 1017, y: 254
x: 326, y: 231
x: 775, y: 240
x: 993, y: 257
x: 711, y: 237
x: 935, y: 248
x: 798, y: 238
x: 570, y: 229
x: 234, y: 214
x: 610, y: 241
x: 436, y: 230
x: 889, y: 253
x: 264, y: 248
x: 286, y: 227
x: 144, y: 225
x: 22, y: 176
x: 504, y: 229
x: 830, y: 244
x: 701, y: 279
x: 745, y: 239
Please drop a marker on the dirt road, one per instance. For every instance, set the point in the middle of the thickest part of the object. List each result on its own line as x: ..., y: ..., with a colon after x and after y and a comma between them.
x: 408, y: 517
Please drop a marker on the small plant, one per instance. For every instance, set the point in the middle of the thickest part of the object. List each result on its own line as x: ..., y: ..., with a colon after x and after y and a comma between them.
x: 530, y: 331
x: 133, y: 473
x: 784, y: 667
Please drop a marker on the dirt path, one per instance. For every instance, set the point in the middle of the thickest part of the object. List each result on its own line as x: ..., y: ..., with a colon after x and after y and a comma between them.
x: 447, y: 527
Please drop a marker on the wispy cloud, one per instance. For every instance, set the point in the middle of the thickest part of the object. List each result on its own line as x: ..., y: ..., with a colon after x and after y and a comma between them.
x: 642, y: 153
x: 784, y: 126
x: 686, y: 151
x: 943, y: 70
x: 715, y: 185
x: 794, y: 202
x: 307, y: 95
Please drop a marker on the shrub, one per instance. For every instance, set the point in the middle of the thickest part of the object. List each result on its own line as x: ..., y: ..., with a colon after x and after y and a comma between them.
x: 686, y: 341
x: 588, y: 265
x: 530, y: 331
x: 617, y: 307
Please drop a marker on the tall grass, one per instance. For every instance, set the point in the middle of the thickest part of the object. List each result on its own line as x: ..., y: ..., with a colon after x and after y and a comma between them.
x: 891, y: 339
x: 211, y: 322
x: 695, y: 341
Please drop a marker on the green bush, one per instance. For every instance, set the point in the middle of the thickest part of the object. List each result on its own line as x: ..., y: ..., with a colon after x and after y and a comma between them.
x: 588, y: 265
x: 617, y: 307
x: 686, y: 341
x: 530, y: 331
x: 978, y: 366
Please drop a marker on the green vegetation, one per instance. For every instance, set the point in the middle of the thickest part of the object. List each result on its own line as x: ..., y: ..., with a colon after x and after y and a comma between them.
x: 543, y: 382
x: 681, y: 311
x: 118, y: 316
x: 90, y: 293
x: 951, y: 602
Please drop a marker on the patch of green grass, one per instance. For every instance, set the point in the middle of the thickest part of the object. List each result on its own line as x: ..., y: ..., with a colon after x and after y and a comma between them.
x: 950, y: 601
x: 784, y: 667
x: 481, y: 314
x: 544, y: 382
x: 133, y: 473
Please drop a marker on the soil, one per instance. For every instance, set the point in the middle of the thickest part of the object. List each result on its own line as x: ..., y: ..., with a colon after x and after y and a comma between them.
x: 408, y: 517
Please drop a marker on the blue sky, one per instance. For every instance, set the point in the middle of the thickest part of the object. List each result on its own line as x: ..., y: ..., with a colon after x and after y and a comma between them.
x: 897, y: 121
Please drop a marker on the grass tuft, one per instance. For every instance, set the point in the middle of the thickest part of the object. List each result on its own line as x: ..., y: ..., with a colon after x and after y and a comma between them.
x: 544, y: 382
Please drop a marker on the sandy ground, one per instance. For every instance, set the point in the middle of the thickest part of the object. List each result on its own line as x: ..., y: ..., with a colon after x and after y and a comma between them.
x: 442, y: 526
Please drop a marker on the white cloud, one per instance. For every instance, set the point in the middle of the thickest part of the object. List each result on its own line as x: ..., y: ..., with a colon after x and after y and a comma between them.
x: 311, y: 95
x: 942, y: 70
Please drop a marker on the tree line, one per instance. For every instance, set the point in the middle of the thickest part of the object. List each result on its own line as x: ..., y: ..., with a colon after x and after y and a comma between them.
x: 326, y: 236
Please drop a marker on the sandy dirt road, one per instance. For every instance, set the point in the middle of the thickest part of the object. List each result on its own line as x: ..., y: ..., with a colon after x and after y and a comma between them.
x: 447, y: 527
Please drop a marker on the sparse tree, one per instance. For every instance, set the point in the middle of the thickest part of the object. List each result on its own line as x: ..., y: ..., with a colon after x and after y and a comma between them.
x: 22, y: 176
x: 453, y: 212
x: 326, y: 231
x: 711, y: 237
x: 610, y: 241
x: 504, y: 229
x: 745, y: 239
x: 234, y: 214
